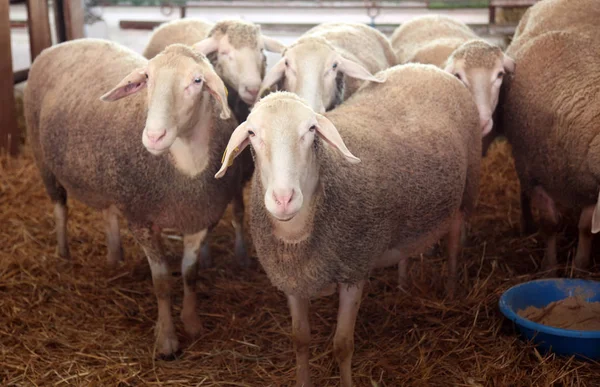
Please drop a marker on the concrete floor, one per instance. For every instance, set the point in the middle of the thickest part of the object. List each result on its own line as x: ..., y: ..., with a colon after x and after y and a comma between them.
x: 137, y: 39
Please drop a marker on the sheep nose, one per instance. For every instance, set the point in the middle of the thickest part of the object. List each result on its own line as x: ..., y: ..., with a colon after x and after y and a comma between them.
x: 283, y: 197
x: 253, y: 91
x: 155, y: 136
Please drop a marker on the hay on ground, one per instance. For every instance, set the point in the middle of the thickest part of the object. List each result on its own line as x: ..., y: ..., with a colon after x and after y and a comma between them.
x: 79, y: 323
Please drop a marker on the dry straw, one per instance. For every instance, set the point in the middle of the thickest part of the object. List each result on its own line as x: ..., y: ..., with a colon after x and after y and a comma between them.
x: 79, y: 323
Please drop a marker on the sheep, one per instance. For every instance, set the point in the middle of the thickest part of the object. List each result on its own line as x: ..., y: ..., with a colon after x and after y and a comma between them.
x: 450, y: 44
x: 549, y: 114
x: 545, y: 16
x: 234, y: 47
x: 319, y: 220
x: 329, y: 62
x: 558, y: 15
x: 90, y: 149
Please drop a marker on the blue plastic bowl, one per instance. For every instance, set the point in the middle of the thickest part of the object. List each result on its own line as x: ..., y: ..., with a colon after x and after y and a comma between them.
x: 539, y: 293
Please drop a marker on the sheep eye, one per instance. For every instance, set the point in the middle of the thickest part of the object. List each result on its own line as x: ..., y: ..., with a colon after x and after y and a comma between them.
x: 251, y: 133
x: 335, y: 65
x: 286, y: 63
x: 146, y: 75
x: 500, y: 75
x: 457, y: 75
x: 197, y: 80
x: 312, y: 128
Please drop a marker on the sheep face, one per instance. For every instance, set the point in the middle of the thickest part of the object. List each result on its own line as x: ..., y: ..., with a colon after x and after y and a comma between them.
x: 236, y: 50
x: 175, y: 82
x: 481, y: 67
x: 315, y: 71
x: 282, y: 129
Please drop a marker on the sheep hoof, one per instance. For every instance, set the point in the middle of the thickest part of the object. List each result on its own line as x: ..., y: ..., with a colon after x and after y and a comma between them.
x: 115, y: 257
x: 205, y: 260
x: 64, y: 252
x: 168, y: 347
x: 170, y: 356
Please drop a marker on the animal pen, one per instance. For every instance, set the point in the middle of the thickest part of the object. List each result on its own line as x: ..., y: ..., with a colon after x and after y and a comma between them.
x: 79, y: 322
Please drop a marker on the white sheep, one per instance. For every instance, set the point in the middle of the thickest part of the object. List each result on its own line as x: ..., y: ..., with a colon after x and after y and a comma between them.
x: 322, y: 218
x: 450, y: 44
x: 91, y: 150
x: 234, y: 47
x: 550, y: 115
x: 329, y: 62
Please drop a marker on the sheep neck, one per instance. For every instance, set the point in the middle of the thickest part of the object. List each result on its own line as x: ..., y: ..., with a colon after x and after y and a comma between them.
x: 189, y: 152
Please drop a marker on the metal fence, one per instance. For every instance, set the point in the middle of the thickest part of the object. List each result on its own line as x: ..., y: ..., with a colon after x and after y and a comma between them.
x: 309, y: 3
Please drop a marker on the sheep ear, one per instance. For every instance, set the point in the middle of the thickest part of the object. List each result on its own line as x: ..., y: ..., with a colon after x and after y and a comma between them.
x: 206, y: 46
x: 131, y: 84
x: 273, y: 45
x: 354, y: 70
x: 217, y: 89
x: 330, y: 134
x: 273, y: 76
x: 238, y: 141
x: 508, y: 63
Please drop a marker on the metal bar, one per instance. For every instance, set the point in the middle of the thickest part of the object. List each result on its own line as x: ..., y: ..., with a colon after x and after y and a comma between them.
x: 290, y: 4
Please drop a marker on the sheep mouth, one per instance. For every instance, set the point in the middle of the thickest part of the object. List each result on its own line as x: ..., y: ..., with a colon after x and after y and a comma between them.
x: 157, y: 151
x: 247, y: 99
x: 284, y: 218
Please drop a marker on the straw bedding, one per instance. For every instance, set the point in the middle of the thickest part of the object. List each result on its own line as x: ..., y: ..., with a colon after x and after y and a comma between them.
x: 79, y: 323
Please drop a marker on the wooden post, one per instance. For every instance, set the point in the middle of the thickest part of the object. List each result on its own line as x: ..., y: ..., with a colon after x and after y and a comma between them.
x: 9, y: 130
x: 59, y: 21
x: 39, y: 26
x: 73, y: 19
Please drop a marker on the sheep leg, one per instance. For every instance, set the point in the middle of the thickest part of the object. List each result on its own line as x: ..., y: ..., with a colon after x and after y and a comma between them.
x: 61, y: 214
x: 189, y: 270
x: 549, y: 222
x: 584, y: 245
x: 527, y: 222
x: 241, y: 254
x: 166, y: 338
x: 58, y: 195
x: 113, y: 236
x: 453, y: 245
x: 205, y: 260
x: 343, y: 341
x: 301, y: 338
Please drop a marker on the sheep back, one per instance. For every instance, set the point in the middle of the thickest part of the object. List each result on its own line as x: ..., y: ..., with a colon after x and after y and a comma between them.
x: 559, y: 15
x: 184, y: 31
x: 94, y: 148
x: 550, y: 114
x: 418, y: 138
x: 429, y: 39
